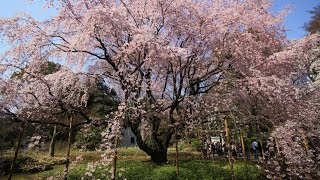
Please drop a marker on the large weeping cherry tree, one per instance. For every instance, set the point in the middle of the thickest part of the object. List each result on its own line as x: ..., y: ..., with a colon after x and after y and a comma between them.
x: 161, y: 55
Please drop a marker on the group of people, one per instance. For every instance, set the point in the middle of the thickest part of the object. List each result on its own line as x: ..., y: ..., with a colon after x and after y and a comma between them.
x: 212, y: 149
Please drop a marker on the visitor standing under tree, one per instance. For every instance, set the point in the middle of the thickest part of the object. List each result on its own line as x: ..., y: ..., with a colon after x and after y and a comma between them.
x: 254, y: 147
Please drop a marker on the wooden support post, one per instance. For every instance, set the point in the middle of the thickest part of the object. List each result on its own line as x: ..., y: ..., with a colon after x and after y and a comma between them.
x: 229, y: 150
x: 262, y: 150
x: 177, y: 152
x: 115, y: 158
x: 17, y: 150
x: 66, y: 171
x: 53, y: 141
x: 305, y: 141
x: 242, y: 145
x: 277, y: 146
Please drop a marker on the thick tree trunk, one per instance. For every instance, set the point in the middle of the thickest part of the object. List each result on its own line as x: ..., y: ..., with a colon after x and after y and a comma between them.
x: 156, y: 145
x: 53, y: 141
x: 159, y: 157
x: 17, y: 150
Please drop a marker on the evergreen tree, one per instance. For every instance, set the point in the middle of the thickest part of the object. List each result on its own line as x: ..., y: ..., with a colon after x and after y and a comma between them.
x: 313, y: 25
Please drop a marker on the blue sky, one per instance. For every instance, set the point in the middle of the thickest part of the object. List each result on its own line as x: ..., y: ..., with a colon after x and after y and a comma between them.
x: 298, y: 17
x: 37, y: 8
x: 294, y: 22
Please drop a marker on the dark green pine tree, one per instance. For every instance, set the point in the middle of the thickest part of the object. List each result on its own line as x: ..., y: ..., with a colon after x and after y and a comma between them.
x: 313, y: 26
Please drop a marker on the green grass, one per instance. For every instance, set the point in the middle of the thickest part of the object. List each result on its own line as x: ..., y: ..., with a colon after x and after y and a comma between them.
x: 131, y: 151
x: 140, y: 170
x: 75, y: 173
x: 134, y: 164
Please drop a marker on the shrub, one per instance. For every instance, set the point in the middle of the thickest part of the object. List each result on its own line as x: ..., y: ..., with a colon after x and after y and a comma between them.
x: 89, y: 139
x: 196, y: 144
